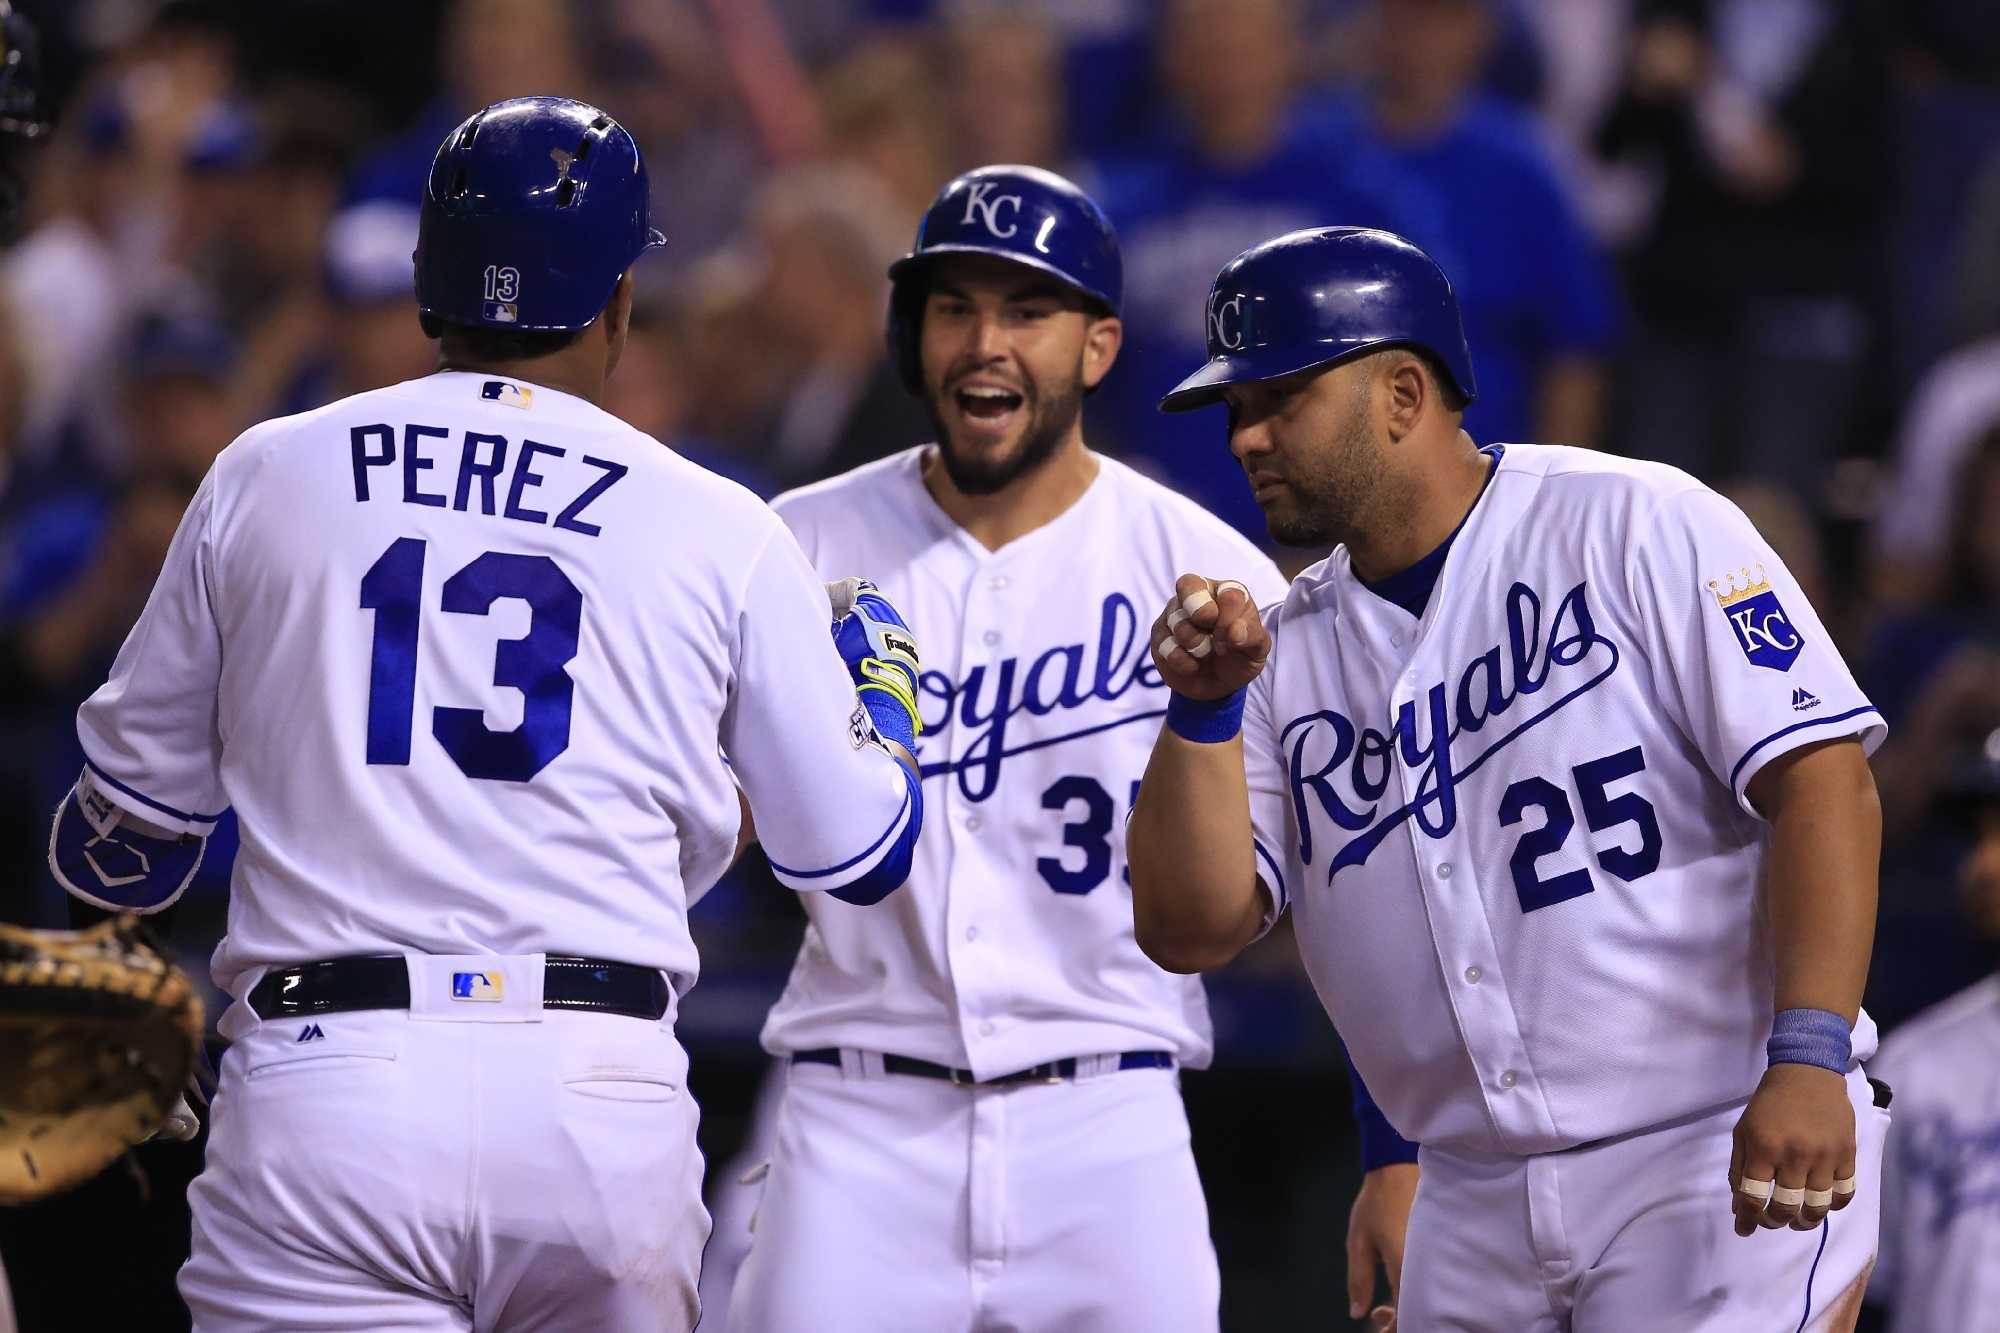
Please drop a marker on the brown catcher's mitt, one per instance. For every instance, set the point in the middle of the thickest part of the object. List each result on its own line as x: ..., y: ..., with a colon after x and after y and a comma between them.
x: 99, y: 1034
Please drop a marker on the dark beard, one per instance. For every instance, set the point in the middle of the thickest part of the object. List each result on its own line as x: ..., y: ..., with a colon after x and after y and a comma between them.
x: 1047, y: 425
x: 1327, y: 499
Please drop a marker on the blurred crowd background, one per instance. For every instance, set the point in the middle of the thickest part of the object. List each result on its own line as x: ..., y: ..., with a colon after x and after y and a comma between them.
x: 1756, y: 238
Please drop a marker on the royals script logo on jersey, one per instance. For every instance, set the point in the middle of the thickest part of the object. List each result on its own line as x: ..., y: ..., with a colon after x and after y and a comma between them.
x: 1065, y: 678
x: 1763, y: 631
x: 1343, y: 769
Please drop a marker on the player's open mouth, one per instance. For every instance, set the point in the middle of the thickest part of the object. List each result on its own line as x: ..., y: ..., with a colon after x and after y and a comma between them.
x: 987, y: 404
x: 1265, y: 486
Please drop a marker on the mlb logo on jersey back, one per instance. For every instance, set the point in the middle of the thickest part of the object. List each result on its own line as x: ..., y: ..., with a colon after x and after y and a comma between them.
x: 512, y: 395
x: 1763, y: 631
x: 485, y: 987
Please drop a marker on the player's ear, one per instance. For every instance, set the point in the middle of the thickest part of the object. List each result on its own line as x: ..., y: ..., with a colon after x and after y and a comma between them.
x: 1405, y: 391
x: 1101, y: 340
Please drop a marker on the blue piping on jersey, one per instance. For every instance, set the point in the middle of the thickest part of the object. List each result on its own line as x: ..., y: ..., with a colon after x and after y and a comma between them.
x: 1277, y: 876
x: 144, y: 799
x: 1737, y: 771
x: 879, y: 880
x: 889, y: 873
x: 1825, y: 1224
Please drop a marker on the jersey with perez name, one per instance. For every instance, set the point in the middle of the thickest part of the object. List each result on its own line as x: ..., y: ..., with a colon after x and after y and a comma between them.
x: 1012, y: 943
x: 1515, y: 833
x: 461, y: 652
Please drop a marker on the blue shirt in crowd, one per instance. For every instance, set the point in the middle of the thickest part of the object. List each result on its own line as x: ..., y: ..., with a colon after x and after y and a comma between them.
x: 1531, y: 284
x: 1179, y: 220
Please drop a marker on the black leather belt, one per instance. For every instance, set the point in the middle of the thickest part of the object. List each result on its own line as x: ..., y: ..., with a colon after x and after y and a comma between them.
x: 1055, y: 1071
x: 341, y: 984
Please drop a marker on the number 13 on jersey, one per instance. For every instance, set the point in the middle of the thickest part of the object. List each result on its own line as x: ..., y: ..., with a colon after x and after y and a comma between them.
x: 534, y: 664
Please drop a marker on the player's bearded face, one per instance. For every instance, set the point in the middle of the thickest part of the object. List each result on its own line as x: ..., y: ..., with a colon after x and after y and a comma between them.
x: 1308, y: 444
x: 1003, y: 373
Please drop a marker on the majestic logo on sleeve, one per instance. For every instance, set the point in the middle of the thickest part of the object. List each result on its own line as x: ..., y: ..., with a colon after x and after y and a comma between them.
x: 1343, y: 770
x: 1763, y: 631
x: 1064, y: 679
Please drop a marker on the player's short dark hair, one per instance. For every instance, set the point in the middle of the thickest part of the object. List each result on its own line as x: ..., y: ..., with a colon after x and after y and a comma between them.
x: 467, y: 343
x: 1447, y: 388
x: 1440, y: 378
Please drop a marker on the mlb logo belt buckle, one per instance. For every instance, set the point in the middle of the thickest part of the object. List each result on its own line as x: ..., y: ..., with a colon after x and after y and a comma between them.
x: 479, y: 987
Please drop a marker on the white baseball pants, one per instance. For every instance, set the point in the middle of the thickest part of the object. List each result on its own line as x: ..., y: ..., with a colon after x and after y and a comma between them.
x: 1631, y: 1234
x: 897, y: 1204
x: 518, y: 1169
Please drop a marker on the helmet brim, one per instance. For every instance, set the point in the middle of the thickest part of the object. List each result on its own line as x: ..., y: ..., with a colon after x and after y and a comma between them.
x: 913, y: 266
x: 1251, y: 366
x: 1256, y: 364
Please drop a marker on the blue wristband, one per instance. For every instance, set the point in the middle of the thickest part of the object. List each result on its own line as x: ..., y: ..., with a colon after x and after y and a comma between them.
x: 1207, y: 721
x: 1810, y: 1037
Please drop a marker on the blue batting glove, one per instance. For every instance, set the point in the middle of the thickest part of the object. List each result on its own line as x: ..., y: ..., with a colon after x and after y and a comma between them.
x: 881, y: 656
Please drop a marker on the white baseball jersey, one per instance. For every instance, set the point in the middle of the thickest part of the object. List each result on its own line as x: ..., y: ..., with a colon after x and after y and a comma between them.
x: 1012, y: 943
x: 1940, y: 1266
x: 460, y: 652
x: 1515, y: 833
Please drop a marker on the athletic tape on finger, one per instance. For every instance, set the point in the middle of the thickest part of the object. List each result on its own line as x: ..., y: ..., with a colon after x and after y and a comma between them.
x: 1787, y: 1196
x: 1819, y: 1198
x: 1175, y: 617
x: 1759, y: 1190
x: 1202, y: 649
x: 1196, y: 600
x: 1845, y: 1186
x: 1165, y: 647
x: 1231, y: 583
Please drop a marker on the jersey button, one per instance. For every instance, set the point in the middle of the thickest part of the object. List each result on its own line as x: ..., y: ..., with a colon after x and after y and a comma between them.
x: 972, y: 823
x: 991, y: 637
x: 1444, y: 871
x: 999, y: 583
x: 971, y: 933
x: 986, y: 1028
x: 1472, y: 975
x: 1508, y: 1079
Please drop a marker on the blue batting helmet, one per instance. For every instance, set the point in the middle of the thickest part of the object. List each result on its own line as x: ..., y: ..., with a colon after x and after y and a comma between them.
x: 1311, y: 299
x: 1023, y: 214
x: 534, y: 208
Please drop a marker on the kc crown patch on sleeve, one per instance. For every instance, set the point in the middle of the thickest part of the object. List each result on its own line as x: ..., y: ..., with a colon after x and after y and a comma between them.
x: 1763, y: 631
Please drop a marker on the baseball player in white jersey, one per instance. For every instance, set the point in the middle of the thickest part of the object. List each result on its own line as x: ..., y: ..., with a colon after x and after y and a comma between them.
x: 468, y: 655
x: 982, y: 1127
x: 1565, y: 786
x: 1940, y: 1265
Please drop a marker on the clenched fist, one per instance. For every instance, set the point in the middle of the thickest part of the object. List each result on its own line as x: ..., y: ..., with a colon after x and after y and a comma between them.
x: 1210, y: 641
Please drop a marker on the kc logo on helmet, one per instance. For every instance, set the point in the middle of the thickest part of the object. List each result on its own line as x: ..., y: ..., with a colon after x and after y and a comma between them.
x: 979, y: 200
x: 1225, y: 321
